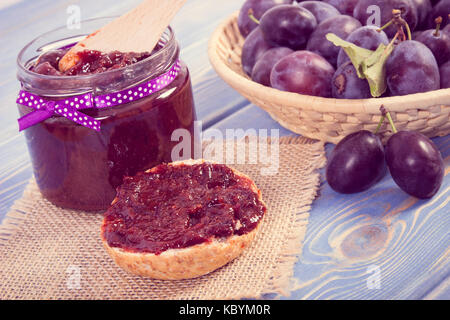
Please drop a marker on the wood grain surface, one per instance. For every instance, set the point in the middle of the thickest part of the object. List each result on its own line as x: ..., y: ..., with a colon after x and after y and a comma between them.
x: 379, y: 244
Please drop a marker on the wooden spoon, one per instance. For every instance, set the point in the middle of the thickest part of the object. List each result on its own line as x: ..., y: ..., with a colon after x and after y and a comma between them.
x: 136, y: 31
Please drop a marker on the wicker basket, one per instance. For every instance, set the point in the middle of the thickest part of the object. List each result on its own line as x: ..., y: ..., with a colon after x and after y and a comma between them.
x: 323, y: 118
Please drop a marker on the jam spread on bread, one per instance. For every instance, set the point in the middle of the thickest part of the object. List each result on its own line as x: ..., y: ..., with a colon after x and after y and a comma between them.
x: 180, y: 206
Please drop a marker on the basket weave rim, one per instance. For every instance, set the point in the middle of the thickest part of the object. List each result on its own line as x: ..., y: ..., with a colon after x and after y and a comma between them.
x: 415, y: 101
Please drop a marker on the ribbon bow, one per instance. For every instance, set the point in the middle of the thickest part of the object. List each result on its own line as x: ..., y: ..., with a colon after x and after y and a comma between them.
x: 70, y: 107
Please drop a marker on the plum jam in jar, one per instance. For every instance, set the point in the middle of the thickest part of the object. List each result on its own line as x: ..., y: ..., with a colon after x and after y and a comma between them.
x: 76, y: 167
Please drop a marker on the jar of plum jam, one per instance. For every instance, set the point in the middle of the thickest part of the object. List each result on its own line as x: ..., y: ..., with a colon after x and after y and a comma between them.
x: 77, y: 167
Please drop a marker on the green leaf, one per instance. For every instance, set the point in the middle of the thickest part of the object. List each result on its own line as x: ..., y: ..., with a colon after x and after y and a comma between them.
x: 369, y: 64
x: 356, y: 54
x: 374, y: 68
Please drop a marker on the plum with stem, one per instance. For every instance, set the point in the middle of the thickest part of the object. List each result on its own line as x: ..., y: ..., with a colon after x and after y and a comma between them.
x: 414, y: 161
x: 437, y: 41
x: 259, y: 7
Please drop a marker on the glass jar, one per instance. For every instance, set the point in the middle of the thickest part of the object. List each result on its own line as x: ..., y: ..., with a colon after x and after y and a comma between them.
x: 79, y: 168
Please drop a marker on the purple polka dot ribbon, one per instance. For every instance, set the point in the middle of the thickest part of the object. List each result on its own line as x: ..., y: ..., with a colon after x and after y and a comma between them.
x: 70, y: 107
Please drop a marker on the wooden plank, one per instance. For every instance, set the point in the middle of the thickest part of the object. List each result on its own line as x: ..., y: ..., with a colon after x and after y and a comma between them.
x: 441, y: 292
x: 8, y: 3
x: 251, y: 117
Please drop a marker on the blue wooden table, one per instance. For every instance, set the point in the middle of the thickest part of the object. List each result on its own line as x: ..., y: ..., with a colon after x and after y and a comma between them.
x: 380, y: 244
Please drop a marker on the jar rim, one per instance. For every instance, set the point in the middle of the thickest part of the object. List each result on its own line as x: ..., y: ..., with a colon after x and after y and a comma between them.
x: 22, y: 65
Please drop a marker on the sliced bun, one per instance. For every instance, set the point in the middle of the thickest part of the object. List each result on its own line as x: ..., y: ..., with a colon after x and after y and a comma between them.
x: 184, y: 263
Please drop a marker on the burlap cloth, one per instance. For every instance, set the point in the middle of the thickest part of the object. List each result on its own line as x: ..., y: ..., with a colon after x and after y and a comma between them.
x: 43, y: 247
